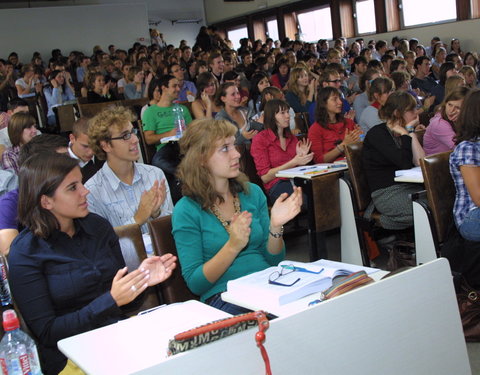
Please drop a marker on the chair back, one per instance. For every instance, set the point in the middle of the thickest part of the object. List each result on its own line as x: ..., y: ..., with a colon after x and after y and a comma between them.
x: 302, y: 122
x: 440, y: 190
x: 135, y: 105
x: 148, y: 151
x: 133, y: 251
x: 91, y: 109
x: 361, y: 191
x: 174, y: 289
x: 65, y: 115
x: 247, y: 165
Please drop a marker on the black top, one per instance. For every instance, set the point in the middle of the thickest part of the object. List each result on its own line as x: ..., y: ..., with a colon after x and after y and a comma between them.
x: 91, y: 168
x: 382, y: 156
x: 93, y: 97
x: 62, y: 285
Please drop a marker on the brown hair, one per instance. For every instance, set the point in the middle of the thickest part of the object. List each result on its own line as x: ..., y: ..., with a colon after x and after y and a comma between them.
x: 197, y: 146
x: 41, y: 175
x: 80, y: 126
x: 222, y: 91
x: 293, y: 85
x: 396, y: 105
x: 456, y: 94
x: 272, y: 107
x: 99, y: 127
x: 17, y: 124
x: 468, y: 123
x: 380, y: 85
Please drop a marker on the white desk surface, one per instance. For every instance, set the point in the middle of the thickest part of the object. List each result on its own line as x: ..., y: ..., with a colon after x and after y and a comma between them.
x: 289, y: 308
x: 136, y: 343
x: 413, y: 179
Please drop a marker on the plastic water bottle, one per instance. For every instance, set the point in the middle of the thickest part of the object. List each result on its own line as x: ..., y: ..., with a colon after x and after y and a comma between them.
x: 5, y: 296
x: 18, y: 352
x: 179, y: 120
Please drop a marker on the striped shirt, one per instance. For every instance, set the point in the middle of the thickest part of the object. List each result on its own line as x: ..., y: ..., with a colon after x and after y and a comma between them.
x: 117, y: 201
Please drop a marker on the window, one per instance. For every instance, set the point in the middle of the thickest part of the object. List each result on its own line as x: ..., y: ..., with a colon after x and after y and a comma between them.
x: 417, y: 12
x: 365, y: 16
x: 315, y: 25
x: 237, y: 34
x: 272, y: 29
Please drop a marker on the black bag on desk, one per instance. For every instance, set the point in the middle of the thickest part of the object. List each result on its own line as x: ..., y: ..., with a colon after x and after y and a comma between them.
x: 401, y: 254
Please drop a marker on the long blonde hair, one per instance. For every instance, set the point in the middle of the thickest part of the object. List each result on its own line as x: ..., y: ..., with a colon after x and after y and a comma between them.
x: 293, y: 84
x: 197, y: 146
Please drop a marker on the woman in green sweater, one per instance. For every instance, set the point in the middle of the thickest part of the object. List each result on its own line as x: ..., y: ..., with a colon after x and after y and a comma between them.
x: 221, y: 226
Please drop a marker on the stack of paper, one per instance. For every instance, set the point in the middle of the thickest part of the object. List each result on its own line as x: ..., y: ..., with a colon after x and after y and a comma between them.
x: 309, y: 171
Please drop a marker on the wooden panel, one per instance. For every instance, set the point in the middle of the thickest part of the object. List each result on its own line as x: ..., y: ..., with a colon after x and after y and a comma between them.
x: 393, y: 15
x: 326, y: 198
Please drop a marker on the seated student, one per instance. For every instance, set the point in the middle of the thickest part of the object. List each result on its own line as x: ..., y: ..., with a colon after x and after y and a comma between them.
x: 276, y: 148
x: 422, y: 79
x: 389, y: 147
x: 204, y: 104
x: 123, y: 191
x: 464, y: 163
x: 67, y: 272
x: 470, y: 76
x: 21, y: 129
x: 27, y: 85
x: 9, y: 225
x: 378, y: 93
x: 281, y: 74
x: 361, y: 100
x: 58, y: 91
x: 79, y: 148
x: 158, y: 123
x: 221, y: 226
x: 136, y: 89
x: 440, y: 133
x: 187, y: 89
x: 13, y: 106
x: 445, y: 71
x: 259, y: 82
x: 98, y: 90
x: 153, y: 94
x: 233, y: 76
x: 301, y: 92
x: 331, y: 131
x: 229, y: 98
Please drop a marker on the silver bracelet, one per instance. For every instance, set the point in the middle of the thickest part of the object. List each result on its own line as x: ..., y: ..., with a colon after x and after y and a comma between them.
x: 277, y: 234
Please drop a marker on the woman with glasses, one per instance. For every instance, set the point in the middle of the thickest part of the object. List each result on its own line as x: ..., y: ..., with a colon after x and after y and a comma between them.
x: 204, y: 104
x: 67, y: 273
x: 221, y: 226
x: 331, y: 131
x: 388, y: 147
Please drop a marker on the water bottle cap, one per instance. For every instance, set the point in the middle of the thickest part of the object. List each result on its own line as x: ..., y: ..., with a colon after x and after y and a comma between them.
x: 10, y: 320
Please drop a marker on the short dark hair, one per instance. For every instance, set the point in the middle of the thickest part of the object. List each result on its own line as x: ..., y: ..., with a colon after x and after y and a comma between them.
x: 396, y: 64
x: 444, y: 68
x: 15, y: 103
x: 419, y: 61
x: 164, y: 81
x: 41, y: 143
x: 41, y: 175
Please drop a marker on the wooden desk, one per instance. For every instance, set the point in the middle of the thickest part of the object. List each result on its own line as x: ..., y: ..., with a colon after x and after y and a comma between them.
x: 323, y: 209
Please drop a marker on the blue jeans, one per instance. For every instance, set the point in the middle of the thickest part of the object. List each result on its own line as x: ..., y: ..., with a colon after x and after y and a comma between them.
x: 217, y: 302
x: 470, y: 227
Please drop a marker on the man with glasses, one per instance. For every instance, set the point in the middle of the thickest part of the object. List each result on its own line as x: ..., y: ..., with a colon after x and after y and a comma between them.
x: 187, y: 88
x: 123, y: 191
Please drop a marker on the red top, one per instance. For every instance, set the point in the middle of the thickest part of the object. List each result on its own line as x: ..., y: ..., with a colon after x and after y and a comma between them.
x: 325, y: 140
x: 267, y: 153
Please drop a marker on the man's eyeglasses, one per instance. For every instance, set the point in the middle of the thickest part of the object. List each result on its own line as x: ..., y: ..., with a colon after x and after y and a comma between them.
x: 125, y: 136
x: 334, y: 80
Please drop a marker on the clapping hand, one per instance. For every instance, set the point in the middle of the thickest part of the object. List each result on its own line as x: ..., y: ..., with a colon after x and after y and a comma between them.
x: 249, y: 134
x: 286, y: 207
x: 239, y: 230
x: 159, y: 268
x: 303, y: 146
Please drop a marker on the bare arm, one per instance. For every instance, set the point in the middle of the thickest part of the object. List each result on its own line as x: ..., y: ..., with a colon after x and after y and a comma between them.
x: 153, y: 138
x: 6, y: 238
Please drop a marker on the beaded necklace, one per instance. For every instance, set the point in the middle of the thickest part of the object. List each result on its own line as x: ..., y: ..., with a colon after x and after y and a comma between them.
x: 216, y: 212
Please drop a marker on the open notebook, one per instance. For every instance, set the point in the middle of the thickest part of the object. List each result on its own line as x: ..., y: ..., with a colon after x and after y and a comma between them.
x: 315, y: 277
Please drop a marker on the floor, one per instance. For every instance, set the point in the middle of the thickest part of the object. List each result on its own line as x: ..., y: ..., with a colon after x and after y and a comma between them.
x: 297, y: 250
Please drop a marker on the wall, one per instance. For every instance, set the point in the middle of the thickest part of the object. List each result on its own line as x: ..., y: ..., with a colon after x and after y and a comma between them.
x: 68, y: 28
x: 218, y: 10
x: 466, y: 31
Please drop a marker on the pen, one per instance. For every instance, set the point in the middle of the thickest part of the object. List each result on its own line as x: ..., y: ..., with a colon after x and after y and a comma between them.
x: 314, y: 302
x: 337, y: 166
x: 307, y: 168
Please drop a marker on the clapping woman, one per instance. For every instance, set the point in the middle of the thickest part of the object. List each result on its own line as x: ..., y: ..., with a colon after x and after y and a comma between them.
x: 221, y: 225
x: 67, y: 273
x: 276, y: 148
